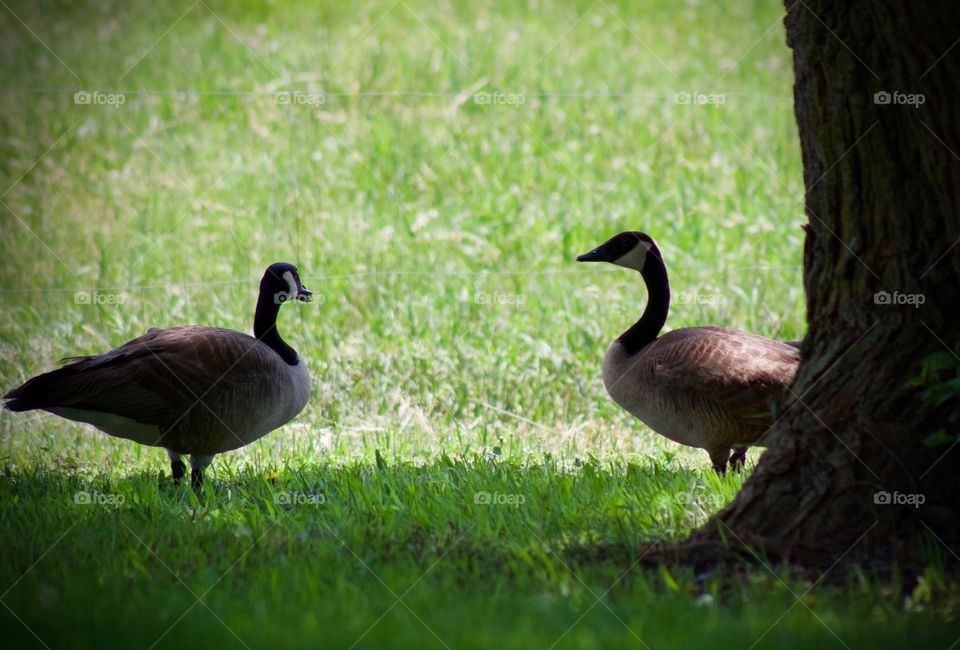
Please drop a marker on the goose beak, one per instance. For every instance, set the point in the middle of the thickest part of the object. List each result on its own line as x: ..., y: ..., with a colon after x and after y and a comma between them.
x: 303, y: 295
x: 596, y: 255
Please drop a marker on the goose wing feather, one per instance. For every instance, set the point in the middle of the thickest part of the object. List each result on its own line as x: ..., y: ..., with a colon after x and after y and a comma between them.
x: 737, y: 371
x: 153, y: 379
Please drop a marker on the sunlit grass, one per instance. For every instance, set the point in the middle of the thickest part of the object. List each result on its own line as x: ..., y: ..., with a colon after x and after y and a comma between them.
x: 452, y: 332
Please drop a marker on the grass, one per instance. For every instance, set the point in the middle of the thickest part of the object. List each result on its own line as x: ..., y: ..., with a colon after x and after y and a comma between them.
x: 454, y: 344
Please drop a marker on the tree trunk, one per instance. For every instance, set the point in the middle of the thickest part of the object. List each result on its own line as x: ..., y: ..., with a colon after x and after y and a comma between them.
x: 882, y: 181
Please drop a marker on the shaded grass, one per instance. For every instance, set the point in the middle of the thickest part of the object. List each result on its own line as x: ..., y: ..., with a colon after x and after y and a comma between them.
x: 325, y: 551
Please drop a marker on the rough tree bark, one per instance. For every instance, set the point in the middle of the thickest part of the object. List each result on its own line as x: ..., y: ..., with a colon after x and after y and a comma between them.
x: 882, y: 196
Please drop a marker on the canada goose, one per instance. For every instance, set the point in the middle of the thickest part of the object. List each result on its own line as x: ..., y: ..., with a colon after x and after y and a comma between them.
x: 192, y: 390
x: 706, y: 387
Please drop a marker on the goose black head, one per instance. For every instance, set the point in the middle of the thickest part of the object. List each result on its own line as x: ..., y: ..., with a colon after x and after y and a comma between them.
x: 629, y: 249
x: 281, y: 281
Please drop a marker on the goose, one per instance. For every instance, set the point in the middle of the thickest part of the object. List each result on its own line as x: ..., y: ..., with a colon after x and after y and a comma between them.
x: 706, y: 387
x: 191, y: 390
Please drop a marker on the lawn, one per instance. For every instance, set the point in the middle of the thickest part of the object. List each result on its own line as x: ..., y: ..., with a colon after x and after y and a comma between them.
x: 460, y: 477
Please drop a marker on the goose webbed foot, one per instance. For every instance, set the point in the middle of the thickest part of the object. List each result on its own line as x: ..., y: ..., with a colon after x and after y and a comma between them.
x: 198, y: 462
x: 719, y: 459
x: 177, y: 467
x: 738, y: 459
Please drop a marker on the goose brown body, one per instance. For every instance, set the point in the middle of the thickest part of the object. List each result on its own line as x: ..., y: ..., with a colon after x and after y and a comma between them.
x: 706, y: 387
x: 191, y: 390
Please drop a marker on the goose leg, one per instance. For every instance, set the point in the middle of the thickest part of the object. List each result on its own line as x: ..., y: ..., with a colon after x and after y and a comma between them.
x: 738, y: 459
x: 177, y: 465
x: 198, y: 462
x: 718, y: 457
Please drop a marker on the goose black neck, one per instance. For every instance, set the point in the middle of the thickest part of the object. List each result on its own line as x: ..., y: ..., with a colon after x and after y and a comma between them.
x: 645, y: 330
x: 265, y: 326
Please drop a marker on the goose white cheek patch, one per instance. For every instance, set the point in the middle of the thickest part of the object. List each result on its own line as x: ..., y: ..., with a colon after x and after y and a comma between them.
x: 291, y: 285
x: 635, y: 257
